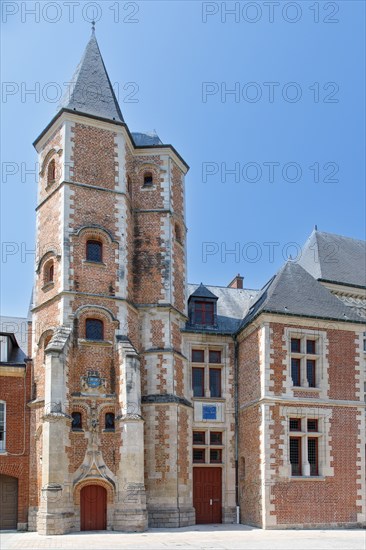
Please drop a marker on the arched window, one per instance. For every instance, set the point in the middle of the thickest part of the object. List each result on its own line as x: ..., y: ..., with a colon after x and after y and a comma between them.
x: 178, y: 233
x: 109, y: 421
x: 148, y: 179
x: 76, y: 421
x: 48, y: 272
x: 94, y: 329
x: 94, y: 251
x: 2, y: 425
x: 51, y: 172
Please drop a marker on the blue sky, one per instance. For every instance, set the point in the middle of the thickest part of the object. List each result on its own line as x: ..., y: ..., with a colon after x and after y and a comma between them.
x: 291, y: 132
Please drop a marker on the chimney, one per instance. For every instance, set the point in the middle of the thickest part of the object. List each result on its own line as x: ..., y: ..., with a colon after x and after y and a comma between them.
x: 237, y: 282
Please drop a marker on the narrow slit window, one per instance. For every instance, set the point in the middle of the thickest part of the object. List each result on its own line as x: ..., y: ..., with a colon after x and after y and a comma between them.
x: 109, y: 421
x: 76, y: 421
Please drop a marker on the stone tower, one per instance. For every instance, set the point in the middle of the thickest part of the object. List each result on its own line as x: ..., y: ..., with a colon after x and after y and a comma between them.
x: 110, y: 410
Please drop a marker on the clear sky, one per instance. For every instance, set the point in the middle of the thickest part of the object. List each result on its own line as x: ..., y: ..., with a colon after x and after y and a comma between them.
x: 280, y: 153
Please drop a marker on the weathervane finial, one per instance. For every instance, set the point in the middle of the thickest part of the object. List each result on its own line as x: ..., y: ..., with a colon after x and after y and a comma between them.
x: 93, y: 27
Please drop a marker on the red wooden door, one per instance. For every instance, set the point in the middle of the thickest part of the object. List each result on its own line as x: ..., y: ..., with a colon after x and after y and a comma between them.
x: 207, y: 494
x: 93, y: 508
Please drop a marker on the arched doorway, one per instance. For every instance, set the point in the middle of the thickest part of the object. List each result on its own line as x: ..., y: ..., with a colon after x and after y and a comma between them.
x: 8, y: 502
x: 93, y: 508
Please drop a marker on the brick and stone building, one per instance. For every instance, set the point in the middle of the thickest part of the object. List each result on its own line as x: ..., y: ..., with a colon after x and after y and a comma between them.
x: 151, y: 402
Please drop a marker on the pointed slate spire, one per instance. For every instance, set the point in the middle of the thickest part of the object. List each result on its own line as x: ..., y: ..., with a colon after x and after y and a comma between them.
x: 90, y: 90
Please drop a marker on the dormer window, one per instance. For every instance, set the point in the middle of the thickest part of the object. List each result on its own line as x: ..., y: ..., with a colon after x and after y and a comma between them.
x: 204, y: 313
x: 202, y: 307
x: 148, y: 179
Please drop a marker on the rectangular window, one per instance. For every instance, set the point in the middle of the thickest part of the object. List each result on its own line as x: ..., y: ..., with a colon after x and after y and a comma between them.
x: 214, y: 356
x: 215, y: 438
x: 295, y: 455
x: 310, y: 346
x: 198, y: 455
x: 295, y: 424
x: 312, y: 425
x: 198, y: 376
x: 198, y: 356
x: 313, y: 455
x: 215, y: 455
x: 215, y: 382
x: 199, y: 438
x: 295, y: 371
x: 295, y: 345
x: 2, y: 426
x: 310, y: 372
x: 204, y: 313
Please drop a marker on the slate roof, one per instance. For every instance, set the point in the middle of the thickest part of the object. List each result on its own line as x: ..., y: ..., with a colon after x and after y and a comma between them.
x: 90, y: 90
x: 335, y: 258
x: 147, y: 138
x: 293, y: 291
x: 203, y: 292
x: 18, y: 326
x: 232, y: 305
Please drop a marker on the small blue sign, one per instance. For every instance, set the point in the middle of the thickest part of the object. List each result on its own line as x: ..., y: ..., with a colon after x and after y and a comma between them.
x: 209, y: 412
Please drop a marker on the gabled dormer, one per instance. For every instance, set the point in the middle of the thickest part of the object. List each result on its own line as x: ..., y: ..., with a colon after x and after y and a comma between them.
x: 202, y: 308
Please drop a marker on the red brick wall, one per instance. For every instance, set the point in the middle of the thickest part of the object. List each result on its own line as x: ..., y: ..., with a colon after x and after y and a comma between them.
x: 15, y: 391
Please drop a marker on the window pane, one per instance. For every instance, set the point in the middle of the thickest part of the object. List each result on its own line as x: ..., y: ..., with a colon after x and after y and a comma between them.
x: 148, y: 179
x: 198, y: 382
x: 94, y: 329
x: 215, y: 438
x: 215, y: 455
x: 215, y: 382
x: 198, y: 455
x: 310, y: 372
x: 76, y: 421
x: 295, y: 345
x: 214, y: 356
x: 198, y: 438
x: 312, y: 425
x: 198, y: 355
x: 109, y: 421
x: 295, y: 371
x: 310, y: 346
x: 94, y: 251
x: 204, y: 313
x: 295, y: 424
x: 313, y: 456
x: 295, y: 456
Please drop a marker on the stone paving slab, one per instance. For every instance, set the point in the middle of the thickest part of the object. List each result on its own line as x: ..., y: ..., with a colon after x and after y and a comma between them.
x: 198, y: 537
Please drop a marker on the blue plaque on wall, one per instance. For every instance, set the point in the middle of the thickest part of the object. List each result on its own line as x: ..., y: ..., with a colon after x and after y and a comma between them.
x: 209, y: 412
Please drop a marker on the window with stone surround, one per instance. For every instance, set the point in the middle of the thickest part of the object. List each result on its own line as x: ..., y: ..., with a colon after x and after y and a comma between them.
x: 109, y: 424
x: 207, y: 447
x: 94, y: 251
x: 76, y: 421
x: 51, y: 172
x: 148, y: 179
x: 206, y: 378
x: 304, y: 360
x: 94, y: 329
x: 48, y: 272
x: 304, y: 446
x: 2, y: 425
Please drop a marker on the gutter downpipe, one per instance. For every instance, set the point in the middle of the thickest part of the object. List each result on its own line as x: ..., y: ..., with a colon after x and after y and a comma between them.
x: 236, y: 398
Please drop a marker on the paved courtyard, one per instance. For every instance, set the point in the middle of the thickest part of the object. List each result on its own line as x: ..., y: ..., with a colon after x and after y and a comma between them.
x: 230, y: 537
